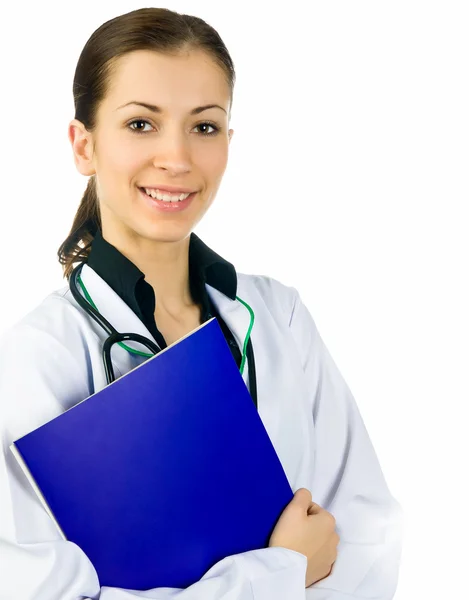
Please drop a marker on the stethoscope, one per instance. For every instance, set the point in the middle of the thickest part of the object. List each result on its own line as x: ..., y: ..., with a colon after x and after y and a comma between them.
x: 115, y: 337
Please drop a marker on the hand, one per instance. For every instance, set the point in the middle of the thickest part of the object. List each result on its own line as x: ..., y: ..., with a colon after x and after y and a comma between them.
x: 309, y: 529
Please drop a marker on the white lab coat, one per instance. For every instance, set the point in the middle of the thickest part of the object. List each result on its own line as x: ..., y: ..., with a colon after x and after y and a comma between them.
x: 51, y: 360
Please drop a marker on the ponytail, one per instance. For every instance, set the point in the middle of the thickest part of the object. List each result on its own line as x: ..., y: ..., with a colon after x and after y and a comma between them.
x: 86, y: 223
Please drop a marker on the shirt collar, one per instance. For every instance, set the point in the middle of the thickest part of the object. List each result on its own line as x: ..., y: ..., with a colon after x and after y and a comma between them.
x: 205, y: 266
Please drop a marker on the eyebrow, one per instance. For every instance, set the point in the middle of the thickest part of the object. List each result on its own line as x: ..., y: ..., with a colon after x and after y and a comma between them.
x: 157, y: 109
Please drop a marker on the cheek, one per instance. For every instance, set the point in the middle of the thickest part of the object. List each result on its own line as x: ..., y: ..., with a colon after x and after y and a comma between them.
x: 122, y: 157
x: 214, y: 161
x: 126, y: 160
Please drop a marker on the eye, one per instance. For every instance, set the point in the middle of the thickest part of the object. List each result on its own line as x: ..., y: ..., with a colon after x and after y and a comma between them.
x: 139, y: 130
x: 209, y: 124
x: 140, y: 121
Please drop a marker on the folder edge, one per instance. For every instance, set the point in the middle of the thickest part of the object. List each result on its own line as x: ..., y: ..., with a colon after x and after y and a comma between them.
x: 32, y: 481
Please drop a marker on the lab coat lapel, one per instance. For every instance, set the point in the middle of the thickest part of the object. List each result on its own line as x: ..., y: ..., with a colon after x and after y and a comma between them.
x: 237, y: 318
x: 119, y: 315
x: 111, y: 305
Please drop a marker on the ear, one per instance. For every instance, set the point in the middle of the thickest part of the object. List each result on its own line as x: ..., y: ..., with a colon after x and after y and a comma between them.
x: 230, y: 135
x: 82, y: 146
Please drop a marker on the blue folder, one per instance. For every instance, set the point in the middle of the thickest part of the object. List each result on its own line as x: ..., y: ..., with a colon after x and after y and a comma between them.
x: 165, y: 471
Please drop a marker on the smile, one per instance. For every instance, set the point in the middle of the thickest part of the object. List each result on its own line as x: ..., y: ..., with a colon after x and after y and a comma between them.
x: 169, y: 203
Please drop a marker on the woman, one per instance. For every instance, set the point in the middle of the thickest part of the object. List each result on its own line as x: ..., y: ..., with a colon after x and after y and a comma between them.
x: 153, y: 92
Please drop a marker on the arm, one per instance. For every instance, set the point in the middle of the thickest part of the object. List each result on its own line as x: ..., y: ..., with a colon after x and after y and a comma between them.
x: 39, y: 378
x: 348, y: 481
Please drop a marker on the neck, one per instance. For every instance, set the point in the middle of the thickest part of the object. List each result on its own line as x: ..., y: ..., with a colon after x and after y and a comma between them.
x: 166, y: 268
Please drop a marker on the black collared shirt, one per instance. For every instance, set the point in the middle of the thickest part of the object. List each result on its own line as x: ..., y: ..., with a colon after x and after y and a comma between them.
x: 205, y: 266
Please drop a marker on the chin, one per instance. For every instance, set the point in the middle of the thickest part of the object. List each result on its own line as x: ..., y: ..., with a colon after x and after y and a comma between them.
x: 164, y: 232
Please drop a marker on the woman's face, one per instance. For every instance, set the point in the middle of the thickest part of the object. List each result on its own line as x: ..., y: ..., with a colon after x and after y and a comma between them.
x: 134, y: 147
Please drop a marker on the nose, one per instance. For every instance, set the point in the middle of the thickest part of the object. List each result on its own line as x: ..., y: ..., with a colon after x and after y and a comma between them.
x: 172, y: 153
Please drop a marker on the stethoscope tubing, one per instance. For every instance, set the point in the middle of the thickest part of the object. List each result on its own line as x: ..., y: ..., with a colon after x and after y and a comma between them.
x: 114, y: 336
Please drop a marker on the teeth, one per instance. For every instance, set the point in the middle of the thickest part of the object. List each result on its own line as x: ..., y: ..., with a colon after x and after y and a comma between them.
x: 166, y: 196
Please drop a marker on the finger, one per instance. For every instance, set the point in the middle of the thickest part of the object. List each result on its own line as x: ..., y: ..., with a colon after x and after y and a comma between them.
x: 303, y: 497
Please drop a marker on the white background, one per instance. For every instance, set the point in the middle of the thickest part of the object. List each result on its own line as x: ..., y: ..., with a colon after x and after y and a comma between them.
x: 347, y: 178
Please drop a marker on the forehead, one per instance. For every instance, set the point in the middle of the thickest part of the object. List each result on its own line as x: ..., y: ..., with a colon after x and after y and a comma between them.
x: 179, y: 81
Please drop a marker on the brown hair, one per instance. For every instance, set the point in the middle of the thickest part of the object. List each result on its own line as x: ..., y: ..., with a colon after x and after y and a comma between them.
x: 156, y: 29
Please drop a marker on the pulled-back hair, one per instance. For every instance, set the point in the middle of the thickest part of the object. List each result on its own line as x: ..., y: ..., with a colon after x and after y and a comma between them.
x: 156, y: 29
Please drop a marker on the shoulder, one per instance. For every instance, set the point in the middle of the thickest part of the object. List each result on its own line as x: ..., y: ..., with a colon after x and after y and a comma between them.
x: 281, y: 300
x: 286, y: 305
x: 277, y: 297
x: 53, y: 326
x: 44, y: 365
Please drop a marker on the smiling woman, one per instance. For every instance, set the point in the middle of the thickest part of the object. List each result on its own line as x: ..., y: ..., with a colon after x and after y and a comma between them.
x: 153, y: 92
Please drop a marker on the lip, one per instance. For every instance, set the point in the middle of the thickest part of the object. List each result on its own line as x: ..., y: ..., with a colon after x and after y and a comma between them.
x: 167, y: 207
x: 169, y: 188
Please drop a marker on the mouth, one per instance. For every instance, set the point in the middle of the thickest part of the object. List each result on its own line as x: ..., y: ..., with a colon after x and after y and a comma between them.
x: 165, y: 196
x: 168, y: 202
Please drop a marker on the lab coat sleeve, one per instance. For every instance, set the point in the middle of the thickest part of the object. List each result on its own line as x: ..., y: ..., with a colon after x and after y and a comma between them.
x: 36, y: 373
x: 347, y: 479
